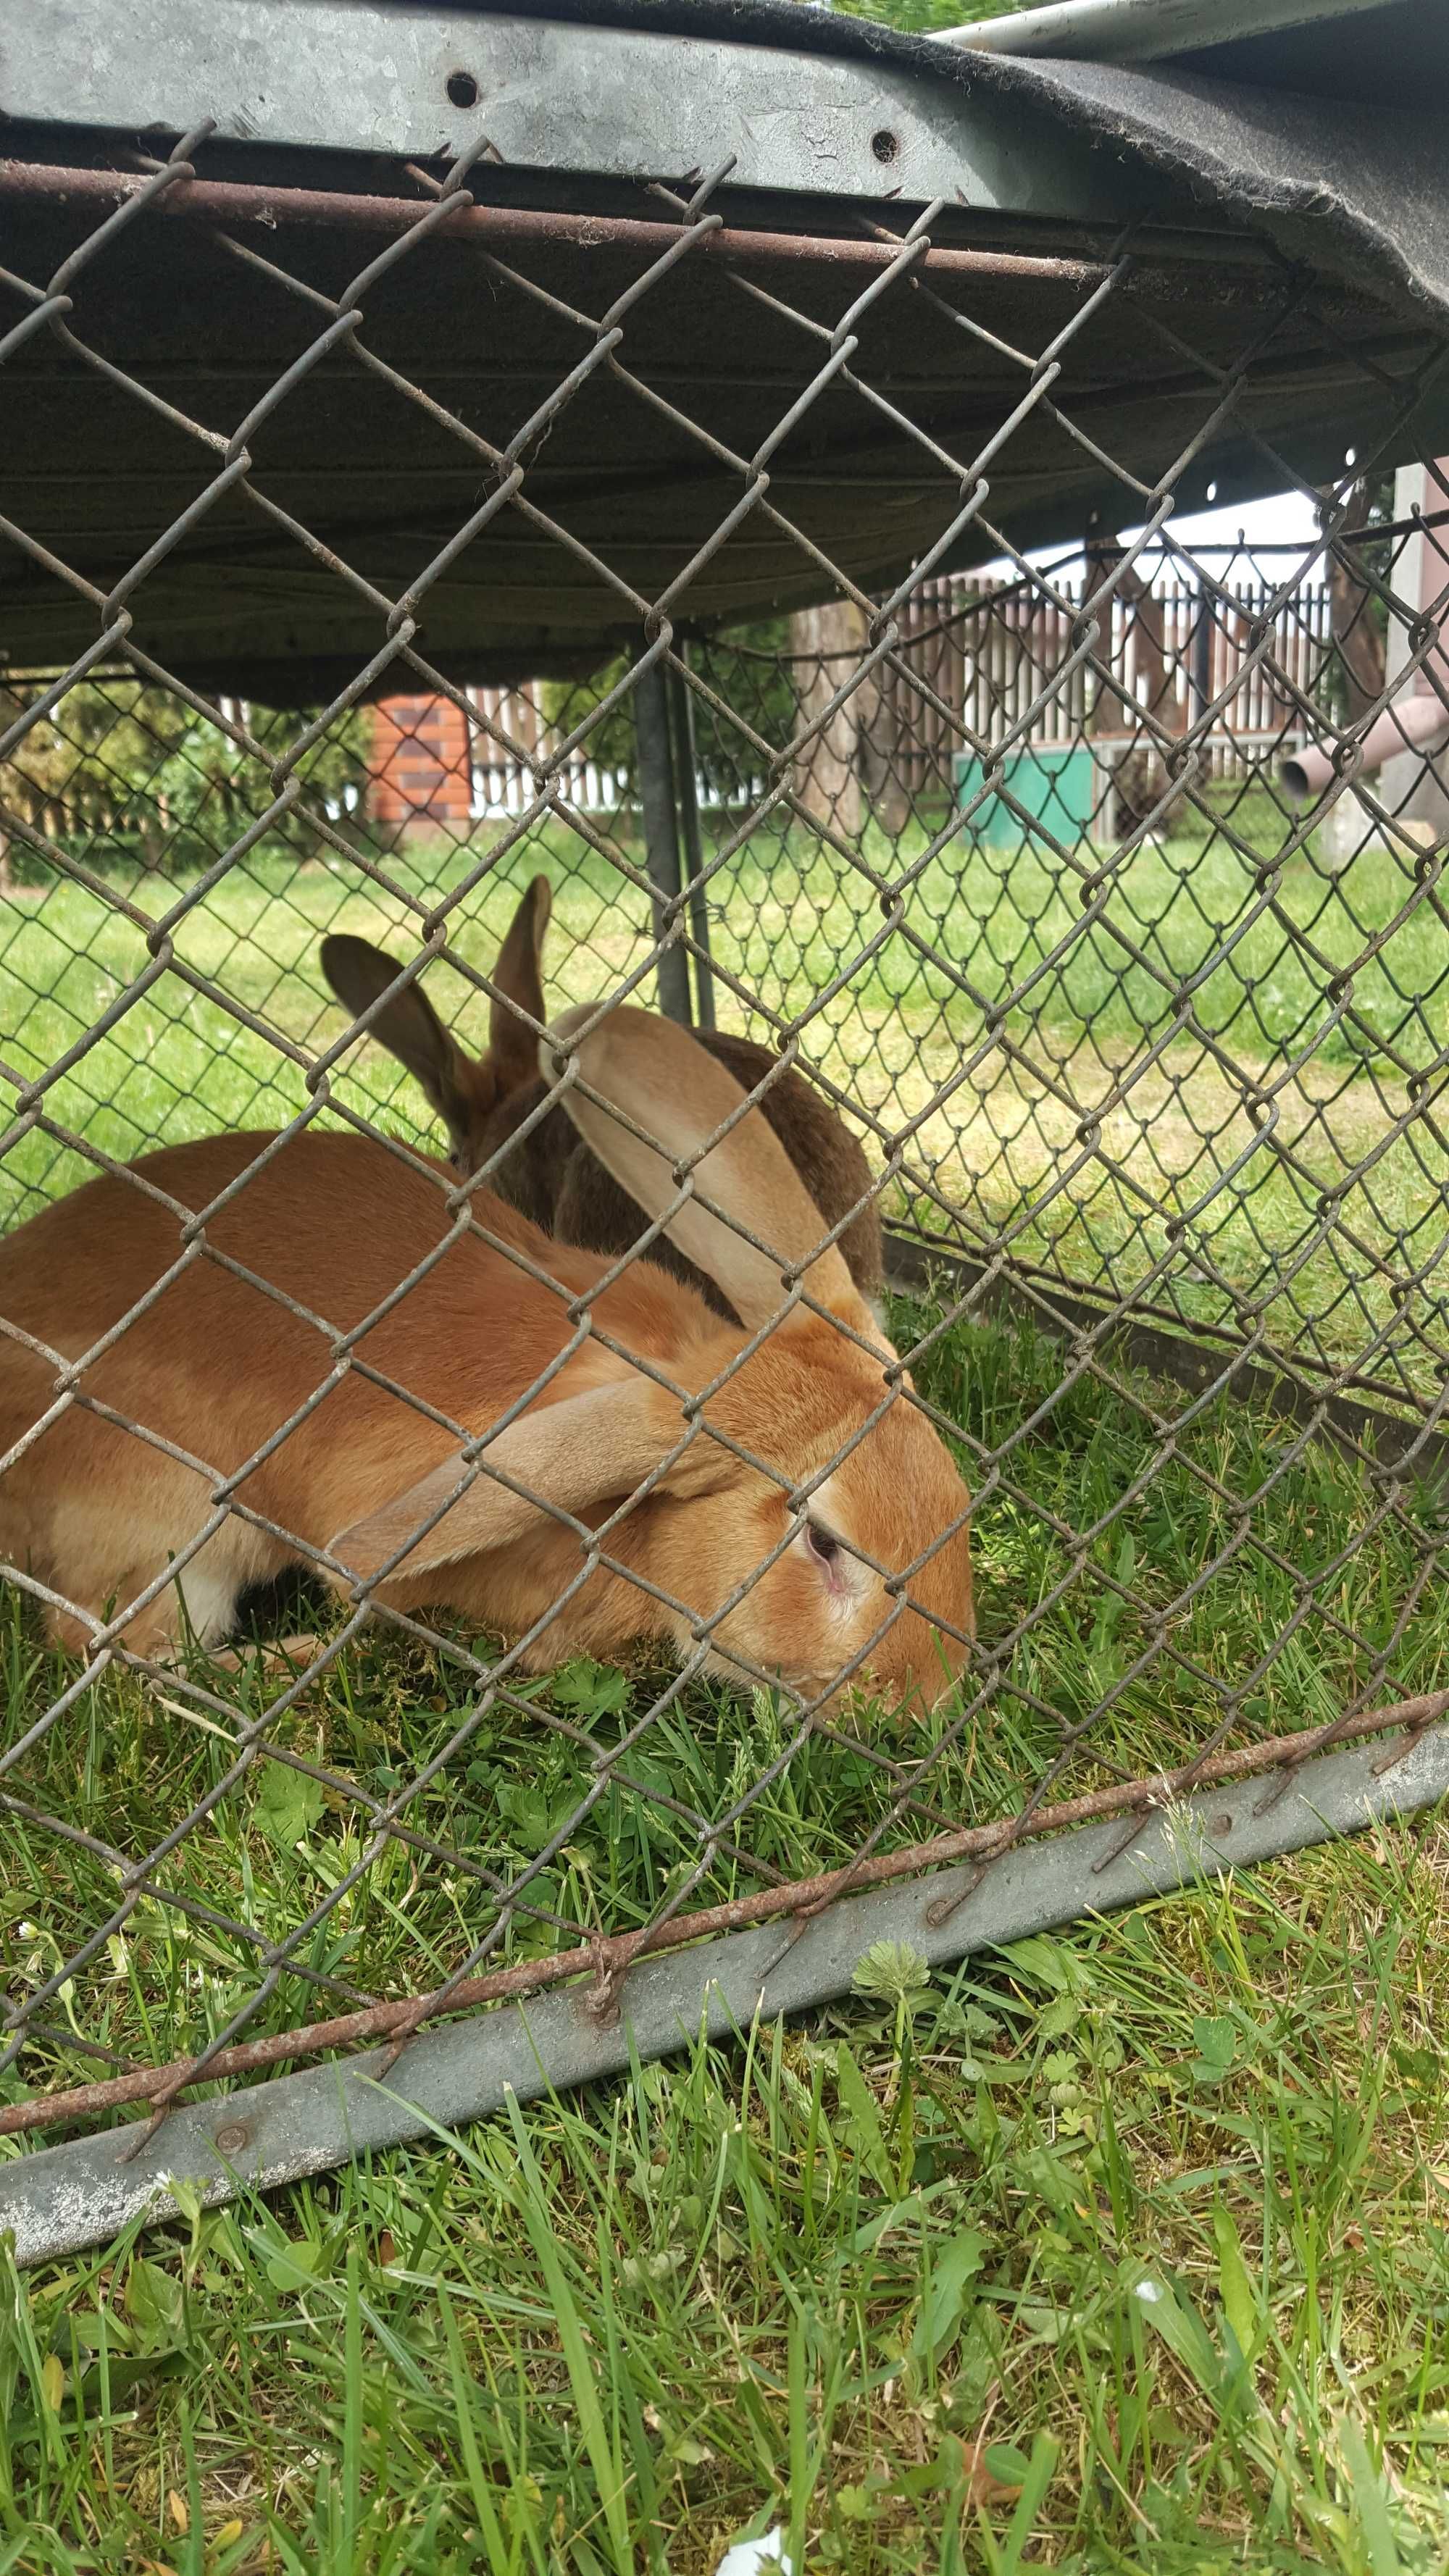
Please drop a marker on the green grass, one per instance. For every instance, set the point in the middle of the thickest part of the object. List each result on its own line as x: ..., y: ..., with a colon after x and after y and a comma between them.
x: 1220, y: 1585
x: 1092, y: 1029
x: 1148, y: 2220
x: 794, y: 2280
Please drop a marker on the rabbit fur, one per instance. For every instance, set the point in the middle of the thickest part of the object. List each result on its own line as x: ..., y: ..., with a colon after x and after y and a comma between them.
x: 548, y: 1173
x: 142, y: 1478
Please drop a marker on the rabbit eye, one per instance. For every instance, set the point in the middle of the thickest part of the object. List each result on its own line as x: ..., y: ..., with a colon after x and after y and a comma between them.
x: 822, y: 1543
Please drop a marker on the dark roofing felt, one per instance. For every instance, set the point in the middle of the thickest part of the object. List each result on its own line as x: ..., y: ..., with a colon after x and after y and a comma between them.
x: 1352, y: 191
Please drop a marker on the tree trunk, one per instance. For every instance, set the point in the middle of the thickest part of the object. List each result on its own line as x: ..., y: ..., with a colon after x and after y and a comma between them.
x: 827, y: 773
x: 1156, y: 681
x: 884, y: 746
x: 1357, y: 642
x: 1144, y: 675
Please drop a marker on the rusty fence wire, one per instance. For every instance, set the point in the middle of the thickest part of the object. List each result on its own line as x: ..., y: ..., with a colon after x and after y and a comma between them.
x: 1096, y: 894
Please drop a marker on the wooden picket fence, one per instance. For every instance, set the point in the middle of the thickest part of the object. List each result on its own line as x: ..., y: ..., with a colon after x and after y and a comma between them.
x: 1004, y: 657
x: 986, y: 658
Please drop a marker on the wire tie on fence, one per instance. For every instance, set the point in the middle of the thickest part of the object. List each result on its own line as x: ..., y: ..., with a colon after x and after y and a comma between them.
x: 1280, y: 1780
x: 941, y: 1908
x: 1158, y: 1802
x: 399, y: 2041
x: 1394, y: 1754
x: 600, y: 2001
x: 156, y: 2120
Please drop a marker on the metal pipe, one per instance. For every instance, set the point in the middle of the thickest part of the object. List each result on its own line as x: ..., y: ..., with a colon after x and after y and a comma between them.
x: 686, y: 779
x: 661, y: 837
x: 1419, y: 723
x: 1140, y: 31
x: 227, y: 201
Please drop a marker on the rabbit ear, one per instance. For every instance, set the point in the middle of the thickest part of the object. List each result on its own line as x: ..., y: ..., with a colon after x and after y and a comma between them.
x: 584, y: 1450
x: 408, y: 1026
x: 654, y: 1072
x: 518, y: 976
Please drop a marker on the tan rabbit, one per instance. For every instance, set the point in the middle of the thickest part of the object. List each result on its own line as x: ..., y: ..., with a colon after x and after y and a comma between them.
x: 279, y: 1403
x: 548, y: 1173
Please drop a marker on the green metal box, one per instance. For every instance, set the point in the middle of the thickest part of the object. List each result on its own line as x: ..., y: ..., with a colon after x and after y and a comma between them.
x: 1059, y: 789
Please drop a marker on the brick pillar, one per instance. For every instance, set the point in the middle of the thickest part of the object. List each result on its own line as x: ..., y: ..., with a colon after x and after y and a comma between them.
x: 419, y: 765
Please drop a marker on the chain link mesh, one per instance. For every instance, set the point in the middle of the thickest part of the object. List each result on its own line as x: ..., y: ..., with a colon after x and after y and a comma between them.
x: 1139, y: 1026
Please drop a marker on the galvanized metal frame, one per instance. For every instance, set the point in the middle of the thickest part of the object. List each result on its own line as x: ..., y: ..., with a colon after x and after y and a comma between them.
x: 617, y: 102
x: 1139, y: 31
x: 68, y: 2197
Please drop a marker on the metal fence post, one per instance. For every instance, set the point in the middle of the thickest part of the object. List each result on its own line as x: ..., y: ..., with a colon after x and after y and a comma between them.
x: 661, y: 837
x: 686, y: 775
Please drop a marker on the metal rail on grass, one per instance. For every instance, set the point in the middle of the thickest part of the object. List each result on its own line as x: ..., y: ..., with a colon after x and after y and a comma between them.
x: 68, y: 2197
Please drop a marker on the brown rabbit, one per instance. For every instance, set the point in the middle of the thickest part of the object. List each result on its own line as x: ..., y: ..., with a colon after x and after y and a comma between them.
x: 548, y: 1174
x: 788, y: 1508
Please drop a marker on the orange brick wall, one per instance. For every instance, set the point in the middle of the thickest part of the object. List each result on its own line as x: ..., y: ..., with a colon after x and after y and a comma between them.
x: 419, y: 763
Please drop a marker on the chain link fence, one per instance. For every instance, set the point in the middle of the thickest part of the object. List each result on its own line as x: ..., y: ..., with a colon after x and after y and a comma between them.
x: 1063, y: 941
